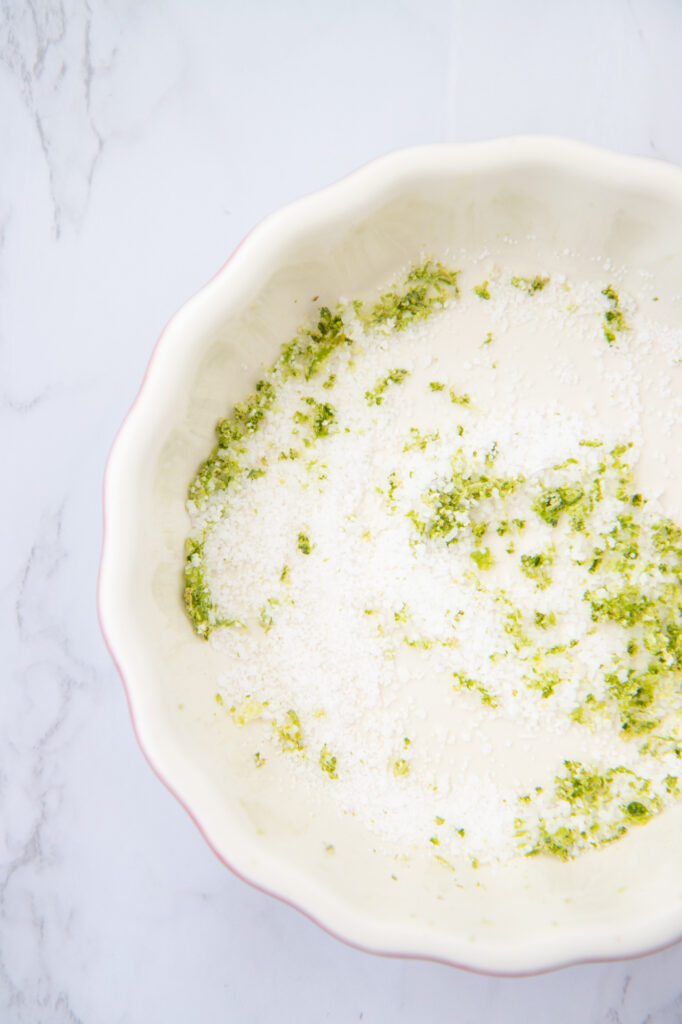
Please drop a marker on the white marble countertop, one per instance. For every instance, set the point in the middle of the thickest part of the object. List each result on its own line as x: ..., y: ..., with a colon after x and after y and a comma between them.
x: 140, y: 141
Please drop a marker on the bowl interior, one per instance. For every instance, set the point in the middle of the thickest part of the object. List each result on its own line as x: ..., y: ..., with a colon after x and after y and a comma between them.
x: 523, y: 204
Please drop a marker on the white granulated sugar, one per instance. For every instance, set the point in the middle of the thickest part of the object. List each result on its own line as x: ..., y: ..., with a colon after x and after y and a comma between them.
x: 394, y: 598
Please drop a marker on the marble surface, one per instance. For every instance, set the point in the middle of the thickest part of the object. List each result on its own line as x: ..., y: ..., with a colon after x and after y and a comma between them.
x: 140, y: 141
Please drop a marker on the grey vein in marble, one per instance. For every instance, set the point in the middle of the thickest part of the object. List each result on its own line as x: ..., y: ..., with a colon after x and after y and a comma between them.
x: 46, y: 48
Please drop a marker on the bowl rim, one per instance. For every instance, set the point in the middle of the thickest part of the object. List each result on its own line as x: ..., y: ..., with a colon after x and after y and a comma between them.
x: 370, y: 179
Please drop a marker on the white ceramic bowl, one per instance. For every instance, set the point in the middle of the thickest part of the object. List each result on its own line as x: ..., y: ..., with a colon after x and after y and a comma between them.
x: 562, y: 206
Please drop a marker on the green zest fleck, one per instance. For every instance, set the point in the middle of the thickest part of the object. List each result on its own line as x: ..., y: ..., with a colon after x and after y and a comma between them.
x: 306, y: 354
x: 426, y: 289
x: 197, y: 595
x: 402, y: 614
x: 638, y: 812
x: 505, y: 526
x: 602, y: 805
x: 304, y: 545
x: 247, y: 711
x: 446, y: 863
x: 459, y: 399
x: 545, y: 620
x: 635, y: 696
x: 400, y: 767
x: 546, y: 682
x: 464, y: 683
x: 290, y: 732
x: 482, y: 290
x: 223, y: 466
x: 614, y: 318
x: 323, y: 418
x: 553, y: 502
x: 463, y: 494
x: 265, y: 619
x: 328, y: 763
x: 419, y: 440
x: 536, y: 567
x: 560, y: 843
x: 672, y: 785
x: 530, y: 284
x: 627, y: 607
x: 479, y: 530
x: 582, y: 787
x: 198, y: 602
x: 376, y: 395
x: 483, y: 559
